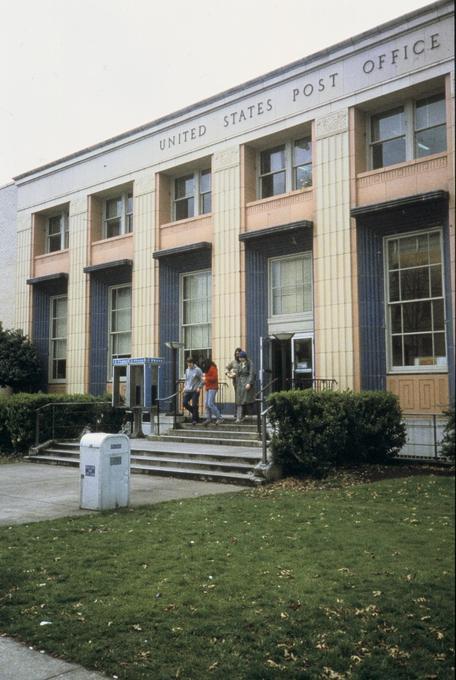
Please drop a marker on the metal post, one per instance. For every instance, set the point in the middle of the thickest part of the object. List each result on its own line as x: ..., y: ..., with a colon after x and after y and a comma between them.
x: 53, y: 422
x: 434, y: 423
x: 263, y: 438
x: 37, y: 428
x: 174, y: 379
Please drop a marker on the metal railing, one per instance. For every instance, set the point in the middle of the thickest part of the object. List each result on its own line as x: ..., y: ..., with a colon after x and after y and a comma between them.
x: 67, y: 419
x: 424, y: 436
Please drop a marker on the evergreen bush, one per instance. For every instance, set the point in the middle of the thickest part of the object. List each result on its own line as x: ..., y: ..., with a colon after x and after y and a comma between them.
x: 317, y: 431
x: 18, y: 418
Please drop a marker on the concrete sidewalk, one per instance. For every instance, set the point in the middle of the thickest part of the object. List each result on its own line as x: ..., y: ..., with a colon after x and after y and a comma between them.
x: 33, y: 492
x: 29, y: 493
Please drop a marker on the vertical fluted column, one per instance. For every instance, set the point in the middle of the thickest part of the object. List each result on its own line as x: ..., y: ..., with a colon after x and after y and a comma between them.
x: 23, y: 271
x: 227, y: 267
x: 332, y: 252
x: 78, y: 302
x: 144, y: 288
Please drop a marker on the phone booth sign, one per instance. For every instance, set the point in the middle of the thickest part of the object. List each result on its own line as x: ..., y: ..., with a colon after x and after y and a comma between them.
x: 141, y: 386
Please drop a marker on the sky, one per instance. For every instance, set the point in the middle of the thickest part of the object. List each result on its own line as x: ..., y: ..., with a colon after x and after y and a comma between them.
x: 76, y: 72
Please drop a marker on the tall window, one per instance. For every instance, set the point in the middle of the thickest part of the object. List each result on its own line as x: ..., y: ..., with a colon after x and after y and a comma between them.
x: 58, y: 339
x: 285, y: 167
x: 119, y: 324
x: 196, y: 315
x: 388, y: 138
x: 57, y: 235
x: 192, y: 195
x: 415, y: 301
x: 430, y: 126
x: 414, y: 130
x: 291, y: 285
x: 118, y: 215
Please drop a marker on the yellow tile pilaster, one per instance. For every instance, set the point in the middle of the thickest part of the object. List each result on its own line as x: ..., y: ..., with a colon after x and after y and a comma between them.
x: 332, y: 252
x: 78, y: 299
x: 227, y: 304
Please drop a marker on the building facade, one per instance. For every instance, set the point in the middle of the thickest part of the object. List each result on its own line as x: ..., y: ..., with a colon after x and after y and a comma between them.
x: 315, y: 203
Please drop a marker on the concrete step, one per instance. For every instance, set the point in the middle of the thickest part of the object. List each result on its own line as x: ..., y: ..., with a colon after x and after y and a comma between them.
x: 209, y: 440
x: 227, y: 425
x: 185, y: 473
x: 232, y: 464
x: 211, y: 433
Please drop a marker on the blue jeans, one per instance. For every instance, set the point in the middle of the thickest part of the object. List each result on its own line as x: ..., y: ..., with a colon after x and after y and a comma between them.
x: 211, y: 408
x: 190, y: 402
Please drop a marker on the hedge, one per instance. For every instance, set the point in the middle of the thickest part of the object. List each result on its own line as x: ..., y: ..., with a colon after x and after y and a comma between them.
x: 317, y: 431
x: 18, y: 418
x: 448, y: 446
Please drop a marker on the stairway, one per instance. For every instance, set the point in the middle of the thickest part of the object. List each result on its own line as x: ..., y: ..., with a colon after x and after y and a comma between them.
x: 224, y: 453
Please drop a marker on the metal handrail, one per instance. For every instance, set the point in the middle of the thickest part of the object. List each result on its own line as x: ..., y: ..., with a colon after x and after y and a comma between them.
x: 157, y: 401
x: 52, y: 404
x: 264, y: 452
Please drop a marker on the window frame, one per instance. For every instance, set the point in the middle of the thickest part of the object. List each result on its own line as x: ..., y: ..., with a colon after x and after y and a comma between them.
x: 424, y: 368
x: 126, y: 215
x: 63, y: 234
x: 409, y: 108
x: 184, y: 350
x: 111, y: 333
x: 53, y: 340
x: 289, y: 167
x: 306, y: 255
x: 197, y: 194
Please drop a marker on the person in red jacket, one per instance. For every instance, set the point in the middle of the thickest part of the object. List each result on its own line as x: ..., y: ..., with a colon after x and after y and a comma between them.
x: 211, y: 384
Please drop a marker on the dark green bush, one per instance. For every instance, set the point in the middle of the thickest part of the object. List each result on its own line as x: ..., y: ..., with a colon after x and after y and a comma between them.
x: 5, y: 439
x: 19, y: 363
x: 66, y: 420
x: 317, y: 431
x: 448, y: 442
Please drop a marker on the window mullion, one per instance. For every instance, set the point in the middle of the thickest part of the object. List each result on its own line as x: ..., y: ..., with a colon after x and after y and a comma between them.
x: 409, y: 130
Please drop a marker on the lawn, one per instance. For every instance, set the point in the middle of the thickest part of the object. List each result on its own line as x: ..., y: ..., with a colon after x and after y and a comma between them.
x: 328, y: 580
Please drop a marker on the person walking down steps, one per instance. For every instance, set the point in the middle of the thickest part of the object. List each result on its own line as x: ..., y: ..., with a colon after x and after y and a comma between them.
x: 192, y: 386
x: 244, y: 386
x: 211, y: 384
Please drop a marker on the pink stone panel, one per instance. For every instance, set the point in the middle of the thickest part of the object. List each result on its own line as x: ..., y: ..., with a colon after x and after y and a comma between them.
x: 269, y: 212
x: 185, y: 232
x: 112, y: 249
x: 52, y: 263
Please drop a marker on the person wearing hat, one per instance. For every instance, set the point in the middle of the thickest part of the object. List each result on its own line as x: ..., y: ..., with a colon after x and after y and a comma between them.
x: 244, y: 386
x: 193, y: 383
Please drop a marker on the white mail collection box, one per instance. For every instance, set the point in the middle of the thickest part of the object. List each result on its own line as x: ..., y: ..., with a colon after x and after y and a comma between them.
x: 105, y: 471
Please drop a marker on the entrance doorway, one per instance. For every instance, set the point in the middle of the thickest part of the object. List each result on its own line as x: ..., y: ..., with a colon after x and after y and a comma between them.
x: 292, y: 362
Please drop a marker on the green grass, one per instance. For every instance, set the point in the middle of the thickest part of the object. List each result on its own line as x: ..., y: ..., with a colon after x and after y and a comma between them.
x: 325, y: 581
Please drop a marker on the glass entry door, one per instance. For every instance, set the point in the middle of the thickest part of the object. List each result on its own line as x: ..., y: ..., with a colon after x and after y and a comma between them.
x: 302, y: 361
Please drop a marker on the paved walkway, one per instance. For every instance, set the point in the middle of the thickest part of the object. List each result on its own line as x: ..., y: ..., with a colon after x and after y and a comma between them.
x: 33, y: 492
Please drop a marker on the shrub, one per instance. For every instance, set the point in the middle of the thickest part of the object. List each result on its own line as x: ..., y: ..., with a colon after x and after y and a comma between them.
x: 5, y: 439
x: 317, y: 431
x: 66, y: 421
x: 448, y: 441
x: 19, y: 363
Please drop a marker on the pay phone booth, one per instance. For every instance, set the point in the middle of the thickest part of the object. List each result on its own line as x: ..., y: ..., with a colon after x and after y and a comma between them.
x: 135, y: 386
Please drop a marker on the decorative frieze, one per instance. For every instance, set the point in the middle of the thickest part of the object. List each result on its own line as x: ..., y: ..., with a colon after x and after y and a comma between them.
x: 333, y: 124
x: 409, y: 170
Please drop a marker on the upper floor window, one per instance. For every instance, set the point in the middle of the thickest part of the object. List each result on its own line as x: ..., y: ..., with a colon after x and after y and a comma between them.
x: 192, y: 195
x: 57, y: 235
x: 58, y: 339
x: 119, y: 328
x: 285, y: 167
x: 414, y: 130
x: 290, y: 285
x: 118, y: 215
x: 415, y: 301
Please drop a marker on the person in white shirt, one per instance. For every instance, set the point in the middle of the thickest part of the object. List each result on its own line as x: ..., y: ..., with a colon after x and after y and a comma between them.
x: 192, y: 387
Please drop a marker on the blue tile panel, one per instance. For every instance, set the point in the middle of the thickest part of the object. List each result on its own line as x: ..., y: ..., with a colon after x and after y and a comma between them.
x: 100, y: 282
x: 170, y: 270
x: 371, y: 230
x: 42, y: 294
x: 257, y: 253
